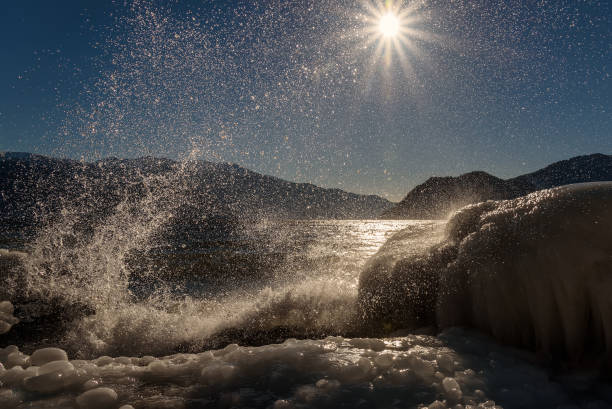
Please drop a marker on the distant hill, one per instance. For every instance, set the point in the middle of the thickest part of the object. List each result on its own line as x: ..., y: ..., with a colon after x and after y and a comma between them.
x: 589, y: 168
x: 439, y: 196
x: 34, y: 186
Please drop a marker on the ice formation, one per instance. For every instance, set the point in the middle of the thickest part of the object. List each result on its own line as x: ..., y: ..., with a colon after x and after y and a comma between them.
x: 7, y: 320
x: 457, y: 369
x: 533, y: 272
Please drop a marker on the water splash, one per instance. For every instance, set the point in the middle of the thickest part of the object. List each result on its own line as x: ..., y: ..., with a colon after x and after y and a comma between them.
x: 81, y: 254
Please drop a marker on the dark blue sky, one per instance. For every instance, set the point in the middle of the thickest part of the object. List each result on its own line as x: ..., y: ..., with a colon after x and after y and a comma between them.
x: 297, y: 89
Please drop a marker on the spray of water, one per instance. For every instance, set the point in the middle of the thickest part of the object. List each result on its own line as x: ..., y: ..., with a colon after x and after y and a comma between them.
x: 176, y: 82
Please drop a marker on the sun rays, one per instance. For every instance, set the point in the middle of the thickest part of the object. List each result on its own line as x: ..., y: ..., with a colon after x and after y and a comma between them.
x: 392, y: 30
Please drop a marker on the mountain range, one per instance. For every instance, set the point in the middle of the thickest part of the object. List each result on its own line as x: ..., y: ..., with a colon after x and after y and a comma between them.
x: 437, y: 197
x: 34, y: 187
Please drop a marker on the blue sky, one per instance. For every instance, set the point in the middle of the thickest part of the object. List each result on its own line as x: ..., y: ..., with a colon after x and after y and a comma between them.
x: 298, y: 89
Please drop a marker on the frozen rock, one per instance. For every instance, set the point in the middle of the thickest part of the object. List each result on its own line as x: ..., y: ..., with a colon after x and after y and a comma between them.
x: 17, y: 358
x: 52, y: 377
x: 327, y: 384
x: 91, y: 384
x: 218, y: 373
x: 421, y: 367
x: 5, y: 352
x: 99, y: 398
x: 282, y: 404
x: 384, y: 361
x: 527, y: 271
x: 7, y: 320
x: 307, y: 393
x: 104, y: 360
x: 368, y: 343
x: 9, y: 399
x: 45, y: 355
x: 7, y: 307
x: 298, y: 374
x: 446, y: 363
x: 452, y: 389
x: 48, y: 383
x: 436, y: 405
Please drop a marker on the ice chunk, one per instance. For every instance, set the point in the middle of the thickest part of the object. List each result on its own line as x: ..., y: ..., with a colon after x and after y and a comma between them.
x: 9, y: 399
x: 368, y: 343
x: 446, y: 363
x: 282, y: 404
x: 48, y: 383
x: 16, y: 375
x: 297, y: 374
x: 436, y: 405
x: 91, y: 384
x: 452, y: 389
x: 56, y: 366
x: 17, y: 358
x: 7, y: 320
x: 5, y: 352
x: 218, y: 373
x: 327, y: 384
x: 356, y: 372
x: 384, y: 361
x: 45, y: 355
x: 7, y: 307
x: 104, y: 360
x: 99, y: 398
x: 421, y: 367
x: 51, y: 378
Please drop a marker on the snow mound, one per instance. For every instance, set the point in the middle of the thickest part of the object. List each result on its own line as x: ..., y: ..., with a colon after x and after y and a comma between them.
x: 533, y: 272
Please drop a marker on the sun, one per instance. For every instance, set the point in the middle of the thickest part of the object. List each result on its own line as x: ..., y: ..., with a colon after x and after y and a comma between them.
x: 389, y: 25
x: 395, y: 31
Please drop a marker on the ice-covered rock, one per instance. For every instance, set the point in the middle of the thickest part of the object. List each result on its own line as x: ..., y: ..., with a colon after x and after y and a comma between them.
x: 99, y: 398
x: 45, y: 355
x: 330, y: 372
x: 17, y: 358
x: 218, y: 374
x: 534, y: 272
x: 451, y: 389
x: 9, y: 399
x: 15, y: 376
x: 7, y: 320
x: 52, y: 377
